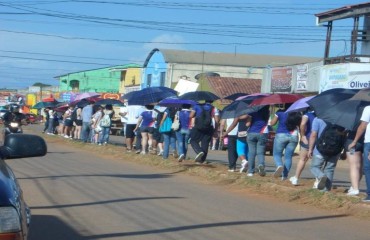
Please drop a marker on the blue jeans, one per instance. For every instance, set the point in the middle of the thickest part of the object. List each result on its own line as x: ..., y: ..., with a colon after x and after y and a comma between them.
x: 169, y: 138
x: 287, y: 142
x: 256, y: 145
x: 366, y: 167
x: 104, y: 135
x: 321, y: 166
x: 182, y: 137
x: 85, y: 131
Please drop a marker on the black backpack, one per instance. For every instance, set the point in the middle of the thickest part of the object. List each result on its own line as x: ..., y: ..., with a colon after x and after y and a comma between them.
x: 204, y: 121
x: 331, y: 141
x: 74, y: 115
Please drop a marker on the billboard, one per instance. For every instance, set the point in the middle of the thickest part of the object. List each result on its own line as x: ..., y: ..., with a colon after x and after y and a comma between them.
x: 281, y: 79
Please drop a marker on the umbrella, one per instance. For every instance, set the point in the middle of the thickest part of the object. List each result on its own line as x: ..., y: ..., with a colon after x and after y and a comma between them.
x: 234, y: 96
x: 299, y: 105
x: 199, y: 96
x: 81, y: 96
x: 325, y: 100
x: 363, y: 95
x: 150, y: 95
x: 252, y: 95
x: 127, y: 95
x: 346, y: 113
x: 276, y: 98
x: 238, y: 108
x: 40, y: 105
x: 176, y: 102
x: 109, y: 101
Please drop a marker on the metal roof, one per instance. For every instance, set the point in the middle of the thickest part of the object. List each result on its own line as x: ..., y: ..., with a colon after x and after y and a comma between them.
x: 349, y: 11
x: 228, y: 59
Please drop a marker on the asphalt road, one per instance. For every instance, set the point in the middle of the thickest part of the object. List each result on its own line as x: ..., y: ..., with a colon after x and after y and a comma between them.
x: 75, y: 194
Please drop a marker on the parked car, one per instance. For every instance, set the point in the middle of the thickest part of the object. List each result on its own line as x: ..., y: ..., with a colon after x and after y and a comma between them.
x: 15, y: 216
x: 269, y: 144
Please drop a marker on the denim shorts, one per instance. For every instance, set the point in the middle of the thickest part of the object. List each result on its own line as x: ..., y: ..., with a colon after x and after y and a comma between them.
x: 358, y: 148
x: 302, y: 145
x: 147, y: 129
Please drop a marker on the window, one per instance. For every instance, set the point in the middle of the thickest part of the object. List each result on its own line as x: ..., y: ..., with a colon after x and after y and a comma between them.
x: 149, y: 80
x: 163, y: 79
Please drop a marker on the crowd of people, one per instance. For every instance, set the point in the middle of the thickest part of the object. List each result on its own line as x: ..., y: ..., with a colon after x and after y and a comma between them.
x: 165, y: 131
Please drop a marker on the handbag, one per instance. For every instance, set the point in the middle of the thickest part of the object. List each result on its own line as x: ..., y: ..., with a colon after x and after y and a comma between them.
x: 175, y: 125
x: 242, y: 134
x: 166, y: 126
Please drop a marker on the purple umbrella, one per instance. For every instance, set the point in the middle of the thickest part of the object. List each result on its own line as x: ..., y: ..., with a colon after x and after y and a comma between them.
x: 81, y: 96
x: 299, y: 105
x: 176, y: 102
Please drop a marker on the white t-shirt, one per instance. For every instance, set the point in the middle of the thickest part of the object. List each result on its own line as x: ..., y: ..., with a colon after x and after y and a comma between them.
x: 233, y: 132
x: 123, y: 110
x: 133, y: 113
x: 366, y: 118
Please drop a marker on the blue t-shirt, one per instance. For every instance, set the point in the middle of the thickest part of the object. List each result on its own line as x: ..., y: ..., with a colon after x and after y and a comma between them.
x: 184, y: 119
x: 282, y: 116
x: 311, y: 116
x: 318, y: 125
x: 149, y: 117
x: 259, y: 122
x: 199, y: 108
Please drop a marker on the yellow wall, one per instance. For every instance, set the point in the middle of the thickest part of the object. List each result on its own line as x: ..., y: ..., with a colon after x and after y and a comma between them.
x: 130, y: 74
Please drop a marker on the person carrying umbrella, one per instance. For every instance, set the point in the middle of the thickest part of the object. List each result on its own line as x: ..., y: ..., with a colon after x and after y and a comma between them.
x: 201, y: 133
x: 286, y: 140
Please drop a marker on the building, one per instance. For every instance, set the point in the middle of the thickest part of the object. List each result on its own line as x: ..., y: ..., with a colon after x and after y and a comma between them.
x: 130, y: 77
x: 348, y: 71
x: 165, y: 67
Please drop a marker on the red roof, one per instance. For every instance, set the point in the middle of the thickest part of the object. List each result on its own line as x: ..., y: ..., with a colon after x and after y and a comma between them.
x: 225, y: 86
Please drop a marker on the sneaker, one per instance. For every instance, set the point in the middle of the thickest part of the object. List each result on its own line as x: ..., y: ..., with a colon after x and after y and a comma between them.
x: 294, y: 180
x: 199, y: 156
x: 250, y: 175
x: 261, y: 170
x: 231, y: 170
x: 142, y: 153
x: 99, y: 144
x: 322, y: 182
x: 278, y: 171
x: 213, y: 149
x: 315, y: 184
x: 244, y: 166
x: 181, y: 157
x: 353, y: 192
x: 138, y: 152
x: 366, y: 200
x: 160, y: 153
x: 65, y: 136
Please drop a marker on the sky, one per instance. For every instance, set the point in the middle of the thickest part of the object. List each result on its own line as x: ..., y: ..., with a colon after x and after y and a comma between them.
x: 42, y: 39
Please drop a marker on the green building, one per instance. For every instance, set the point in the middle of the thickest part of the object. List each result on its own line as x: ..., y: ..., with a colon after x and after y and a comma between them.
x: 96, y: 80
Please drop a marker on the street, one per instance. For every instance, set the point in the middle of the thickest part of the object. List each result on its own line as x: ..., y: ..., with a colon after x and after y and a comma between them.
x: 74, y: 194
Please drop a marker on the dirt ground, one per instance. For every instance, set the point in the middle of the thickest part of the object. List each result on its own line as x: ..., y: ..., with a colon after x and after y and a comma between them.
x: 335, y: 201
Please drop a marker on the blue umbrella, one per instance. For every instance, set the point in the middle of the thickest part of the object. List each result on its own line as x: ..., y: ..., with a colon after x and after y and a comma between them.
x: 175, y: 102
x: 40, y: 105
x: 150, y: 95
x: 299, y: 105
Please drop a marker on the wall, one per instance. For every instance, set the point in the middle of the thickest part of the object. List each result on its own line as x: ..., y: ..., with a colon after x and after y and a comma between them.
x: 132, y: 77
x: 98, y: 80
x: 155, y: 68
x: 304, y: 78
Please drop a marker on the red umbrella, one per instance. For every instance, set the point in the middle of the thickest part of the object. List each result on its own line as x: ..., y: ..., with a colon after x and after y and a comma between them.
x: 276, y: 98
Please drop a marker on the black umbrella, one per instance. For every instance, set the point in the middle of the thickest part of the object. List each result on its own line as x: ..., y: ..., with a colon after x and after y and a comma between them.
x: 150, y: 95
x: 83, y: 103
x: 234, y: 96
x: 346, y: 113
x: 241, y: 107
x: 325, y: 100
x: 199, y: 96
x: 109, y: 101
x: 40, y: 105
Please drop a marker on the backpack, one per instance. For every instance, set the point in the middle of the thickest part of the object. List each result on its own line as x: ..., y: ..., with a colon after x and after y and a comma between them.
x: 74, y: 115
x: 203, y: 122
x: 331, y: 141
x: 105, y: 121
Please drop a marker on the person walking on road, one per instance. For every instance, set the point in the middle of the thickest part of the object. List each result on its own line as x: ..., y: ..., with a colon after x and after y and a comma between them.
x: 202, y: 131
x: 364, y: 127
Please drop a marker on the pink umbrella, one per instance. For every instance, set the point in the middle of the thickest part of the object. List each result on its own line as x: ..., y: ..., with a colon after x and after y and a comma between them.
x: 251, y: 95
x: 81, y: 96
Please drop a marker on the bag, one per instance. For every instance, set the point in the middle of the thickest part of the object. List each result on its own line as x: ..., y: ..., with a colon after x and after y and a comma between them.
x: 105, y: 121
x: 331, y: 141
x: 166, y: 126
x: 98, y: 129
x: 203, y: 122
x: 242, y: 134
x: 176, y: 123
x: 74, y: 115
